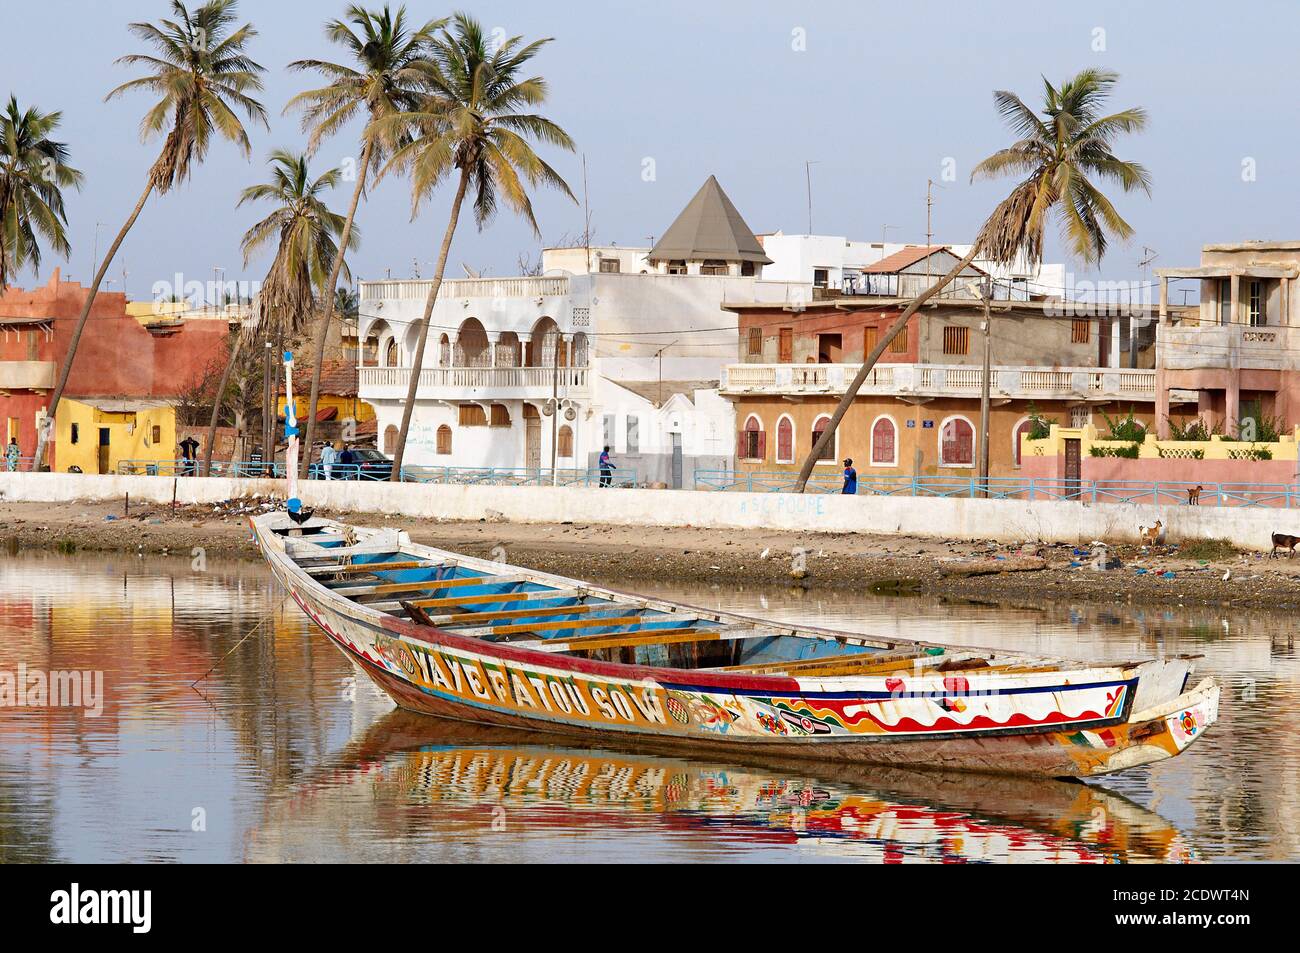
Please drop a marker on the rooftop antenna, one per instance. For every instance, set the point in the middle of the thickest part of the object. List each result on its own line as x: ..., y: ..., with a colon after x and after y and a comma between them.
x: 884, y: 232
x: 807, y: 171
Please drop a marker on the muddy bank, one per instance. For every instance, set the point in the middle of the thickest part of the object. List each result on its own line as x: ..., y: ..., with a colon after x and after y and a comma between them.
x: 1025, y: 574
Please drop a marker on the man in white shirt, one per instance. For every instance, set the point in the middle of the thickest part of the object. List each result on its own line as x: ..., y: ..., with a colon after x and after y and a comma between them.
x: 328, y: 457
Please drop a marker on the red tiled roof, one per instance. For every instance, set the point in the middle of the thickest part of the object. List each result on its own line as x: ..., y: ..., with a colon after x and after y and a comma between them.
x: 337, y: 378
x: 901, y: 259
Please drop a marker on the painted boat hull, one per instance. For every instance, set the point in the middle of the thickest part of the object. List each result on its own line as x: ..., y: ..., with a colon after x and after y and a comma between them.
x: 1075, y: 722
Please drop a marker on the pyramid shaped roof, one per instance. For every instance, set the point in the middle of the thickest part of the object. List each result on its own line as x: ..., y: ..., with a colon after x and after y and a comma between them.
x: 709, y: 227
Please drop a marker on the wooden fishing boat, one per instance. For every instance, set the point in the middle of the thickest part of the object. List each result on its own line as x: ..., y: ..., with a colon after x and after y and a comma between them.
x: 474, y: 640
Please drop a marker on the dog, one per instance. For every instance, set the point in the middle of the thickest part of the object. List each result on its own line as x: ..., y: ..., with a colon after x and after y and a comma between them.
x: 1283, y: 541
x: 1194, y: 496
x: 1151, y: 534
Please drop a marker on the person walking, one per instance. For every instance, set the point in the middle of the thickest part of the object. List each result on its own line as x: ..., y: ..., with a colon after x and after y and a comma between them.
x: 345, y: 460
x: 328, y: 457
x: 12, y: 453
x: 607, y: 468
x: 189, y: 456
x: 850, y: 478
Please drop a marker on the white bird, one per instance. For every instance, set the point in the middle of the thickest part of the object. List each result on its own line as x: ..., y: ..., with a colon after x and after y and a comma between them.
x: 1227, y: 574
x: 763, y: 554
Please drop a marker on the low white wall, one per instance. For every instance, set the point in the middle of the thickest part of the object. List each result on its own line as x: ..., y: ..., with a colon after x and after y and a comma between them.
x: 942, y: 518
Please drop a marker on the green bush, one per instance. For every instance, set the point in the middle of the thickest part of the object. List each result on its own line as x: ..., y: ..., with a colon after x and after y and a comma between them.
x: 1040, y: 427
x: 1192, y: 430
x: 1127, y: 427
x: 1129, y: 451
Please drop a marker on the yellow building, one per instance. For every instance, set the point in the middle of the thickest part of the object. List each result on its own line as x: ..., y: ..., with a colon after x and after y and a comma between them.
x: 337, y: 400
x: 97, y: 434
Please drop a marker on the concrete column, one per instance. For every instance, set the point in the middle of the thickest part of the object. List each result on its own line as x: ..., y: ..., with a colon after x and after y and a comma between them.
x: 1234, y: 308
x: 494, y: 338
x: 1232, y: 403
x: 1164, y: 299
x: 1114, y: 341
x: 1162, y: 400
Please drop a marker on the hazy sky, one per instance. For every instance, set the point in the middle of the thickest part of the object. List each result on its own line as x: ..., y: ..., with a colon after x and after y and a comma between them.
x: 881, y: 95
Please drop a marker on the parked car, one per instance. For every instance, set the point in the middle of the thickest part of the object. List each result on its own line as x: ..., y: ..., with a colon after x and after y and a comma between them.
x: 373, y: 466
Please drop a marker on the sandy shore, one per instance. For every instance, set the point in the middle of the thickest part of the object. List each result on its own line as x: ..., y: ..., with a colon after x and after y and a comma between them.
x: 1026, y: 574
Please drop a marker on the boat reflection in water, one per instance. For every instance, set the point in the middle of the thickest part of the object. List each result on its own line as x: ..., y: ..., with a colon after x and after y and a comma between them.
x: 415, y: 788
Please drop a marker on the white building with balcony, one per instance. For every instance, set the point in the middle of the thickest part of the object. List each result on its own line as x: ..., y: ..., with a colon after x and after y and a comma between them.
x: 627, y: 345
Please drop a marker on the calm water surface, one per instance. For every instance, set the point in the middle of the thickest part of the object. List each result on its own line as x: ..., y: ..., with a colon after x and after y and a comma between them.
x: 281, y: 753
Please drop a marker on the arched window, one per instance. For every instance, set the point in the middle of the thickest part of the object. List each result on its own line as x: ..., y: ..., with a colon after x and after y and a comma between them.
x: 828, y: 454
x: 785, y: 440
x: 390, y: 353
x: 508, y: 353
x: 472, y: 348
x: 884, y: 443
x: 444, y: 440
x: 1024, y: 427
x: 444, y: 351
x: 751, y: 443
x: 500, y: 415
x: 564, y: 445
x: 390, y: 439
x: 957, y: 443
x: 580, y: 350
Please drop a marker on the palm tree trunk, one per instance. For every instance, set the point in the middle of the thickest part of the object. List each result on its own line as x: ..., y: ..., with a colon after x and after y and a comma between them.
x: 400, y: 450
x: 828, y: 435
x: 42, y: 438
x: 216, y: 403
x: 323, y: 331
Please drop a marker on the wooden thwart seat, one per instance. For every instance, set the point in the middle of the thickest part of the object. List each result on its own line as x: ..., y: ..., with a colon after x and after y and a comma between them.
x: 372, y: 567
x: 418, y: 585
x: 627, y: 640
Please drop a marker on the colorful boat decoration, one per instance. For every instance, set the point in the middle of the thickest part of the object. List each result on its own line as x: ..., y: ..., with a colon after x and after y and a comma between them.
x: 440, y: 786
x: 449, y: 635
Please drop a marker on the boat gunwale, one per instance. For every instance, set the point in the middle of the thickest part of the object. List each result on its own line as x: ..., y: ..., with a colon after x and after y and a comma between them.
x: 697, y: 679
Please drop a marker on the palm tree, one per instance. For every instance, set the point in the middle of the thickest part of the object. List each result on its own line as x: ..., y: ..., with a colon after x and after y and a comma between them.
x: 202, y: 75
x: 1056, y: 153
x: 471, y: 123
x: 306, y: 253
x: 33, y: 173
x: 381, y: 81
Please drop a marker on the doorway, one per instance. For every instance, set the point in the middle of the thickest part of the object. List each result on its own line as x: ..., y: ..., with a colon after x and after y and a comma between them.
x: 533, y: 443
x: 677, y: 461
x: 1073, y: 465
x: 103, y: 449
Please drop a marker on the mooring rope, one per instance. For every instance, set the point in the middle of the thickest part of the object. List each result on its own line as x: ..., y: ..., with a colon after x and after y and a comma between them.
x: 247, y: 636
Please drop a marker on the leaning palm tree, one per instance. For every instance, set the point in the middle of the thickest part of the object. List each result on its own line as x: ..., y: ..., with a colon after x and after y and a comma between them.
x: 34, y: 170
x: 1056, y: 152
x: 202, y: 75
x: 305, y: 232
x: 380, y: 80
x: 473, y: 123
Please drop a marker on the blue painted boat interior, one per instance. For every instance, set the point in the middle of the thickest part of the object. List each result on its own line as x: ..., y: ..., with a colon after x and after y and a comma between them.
x: 707, y: 651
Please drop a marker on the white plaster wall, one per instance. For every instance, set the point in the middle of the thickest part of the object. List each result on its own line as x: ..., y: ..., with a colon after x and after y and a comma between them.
x: 944, y: 518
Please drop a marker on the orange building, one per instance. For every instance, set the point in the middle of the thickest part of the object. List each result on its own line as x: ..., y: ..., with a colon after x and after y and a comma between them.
x: 918, y: 413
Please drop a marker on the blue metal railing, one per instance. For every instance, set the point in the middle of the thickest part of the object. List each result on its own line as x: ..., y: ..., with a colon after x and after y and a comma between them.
x: 516, y: 476
x: 465, y: 476
x: 1012, y: 488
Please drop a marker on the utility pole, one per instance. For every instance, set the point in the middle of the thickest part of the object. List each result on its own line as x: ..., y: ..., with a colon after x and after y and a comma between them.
x: 660, y: 355
x: 555, y: 408
x: 268, y: 411
x: 986, y: 292
x: 1149, y: 255
x: 586, y: 214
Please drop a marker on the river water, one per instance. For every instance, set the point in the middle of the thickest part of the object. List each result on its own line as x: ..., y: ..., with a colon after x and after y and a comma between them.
x: 281, y: 754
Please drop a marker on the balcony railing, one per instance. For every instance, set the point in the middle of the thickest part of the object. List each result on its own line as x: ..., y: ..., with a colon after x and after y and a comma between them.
x: 940, y: 380
x: 462, y: 379
x: 1191, y: 346
x: 418, y: 290
x: 27, y: 375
